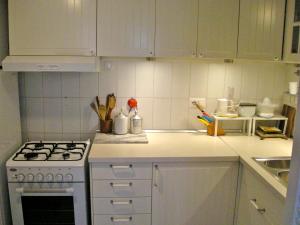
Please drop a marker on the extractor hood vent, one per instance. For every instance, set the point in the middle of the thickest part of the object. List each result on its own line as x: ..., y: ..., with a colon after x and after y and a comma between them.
x: 51, y: 64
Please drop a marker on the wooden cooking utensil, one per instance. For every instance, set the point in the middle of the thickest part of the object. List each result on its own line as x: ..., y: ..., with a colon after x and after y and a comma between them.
x: 102, y: 112
x: 111, y: 104
x: 98, y: 102
x: 95, y: 108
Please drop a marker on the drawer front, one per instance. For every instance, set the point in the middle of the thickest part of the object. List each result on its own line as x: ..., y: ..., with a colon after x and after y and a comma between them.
x: 103, y: 171
x: 264, y: 197
x: 118, y: 206
x: 121, y: 188
x: 142, y: 219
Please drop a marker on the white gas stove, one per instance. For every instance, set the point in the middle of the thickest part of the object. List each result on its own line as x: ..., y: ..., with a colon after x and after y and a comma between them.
x: 44, y: 175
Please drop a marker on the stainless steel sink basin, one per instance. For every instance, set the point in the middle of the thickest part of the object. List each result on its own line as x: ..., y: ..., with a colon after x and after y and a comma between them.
x: 277, y: 166
x: 277, y: 163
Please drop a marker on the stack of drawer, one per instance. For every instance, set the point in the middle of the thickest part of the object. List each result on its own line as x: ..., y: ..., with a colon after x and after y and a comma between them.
x: 121, y: 193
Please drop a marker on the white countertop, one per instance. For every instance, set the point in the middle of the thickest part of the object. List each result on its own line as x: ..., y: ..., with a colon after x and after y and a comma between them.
x: 164, y: 147
x: 252, y: 147
x: 176, y: 147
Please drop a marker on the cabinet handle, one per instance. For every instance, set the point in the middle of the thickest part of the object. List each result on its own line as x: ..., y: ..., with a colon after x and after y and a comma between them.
x: 121, y: 167
x: 156, y: 175
x: 121, y: 219
x: 254, y: 204
x: 121, y: 202
x: 121, y: 184
x: 276, y: 58
x: 200, y: 55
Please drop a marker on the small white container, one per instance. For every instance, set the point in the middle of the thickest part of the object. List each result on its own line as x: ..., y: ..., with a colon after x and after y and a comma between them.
x: 121, y: 124
x: 247, y: 109
x: 293, y: 88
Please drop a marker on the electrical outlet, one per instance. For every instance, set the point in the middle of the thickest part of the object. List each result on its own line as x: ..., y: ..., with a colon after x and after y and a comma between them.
x: 200, y: 101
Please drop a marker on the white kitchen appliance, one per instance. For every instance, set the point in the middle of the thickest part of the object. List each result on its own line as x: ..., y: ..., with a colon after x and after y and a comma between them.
x: 48, y: 184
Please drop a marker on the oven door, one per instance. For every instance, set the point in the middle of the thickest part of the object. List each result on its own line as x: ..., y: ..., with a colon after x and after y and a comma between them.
x: 46, y: 204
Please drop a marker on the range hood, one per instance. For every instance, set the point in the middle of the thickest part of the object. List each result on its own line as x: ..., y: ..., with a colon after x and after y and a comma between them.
x: 51, y: 64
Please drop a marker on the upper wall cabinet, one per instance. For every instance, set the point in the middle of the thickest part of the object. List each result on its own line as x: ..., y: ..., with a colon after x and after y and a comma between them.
x: 176, y: 27
x: 261, y: 29
x: 292, y: 34
x: 126, y: 27
x: 218, y: 28
x: 56, y: 27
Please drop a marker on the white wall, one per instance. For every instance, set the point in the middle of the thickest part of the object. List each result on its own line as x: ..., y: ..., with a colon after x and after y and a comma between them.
x: 55, y: 106
x: 3, y: 30
x: 10, y: 134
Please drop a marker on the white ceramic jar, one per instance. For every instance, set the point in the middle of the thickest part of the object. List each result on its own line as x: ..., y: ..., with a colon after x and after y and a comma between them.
x: 121, y: 123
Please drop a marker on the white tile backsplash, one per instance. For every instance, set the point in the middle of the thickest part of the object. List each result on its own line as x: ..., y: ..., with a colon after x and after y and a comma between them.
x: 34, y: 85
x: 144, y: 79
x: 216, y: 81
x: 52, y: 85
x: 162, y: 80
x: 88, y: 84
x: 53, y: 115
x: 70, y: 85
x: 57, y: 105
x: 71, y: 115
x: 162, y: 113
x: 35, y: 115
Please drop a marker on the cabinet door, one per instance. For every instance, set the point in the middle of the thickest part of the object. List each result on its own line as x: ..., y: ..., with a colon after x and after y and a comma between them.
x: 255, y: 195
x: 176, y: 27
x: 261, y: 29
x: 292, y: 32
x: 126, y: 27
x: 52, y: 27
x: 218, y: 28
x: 194, y: 193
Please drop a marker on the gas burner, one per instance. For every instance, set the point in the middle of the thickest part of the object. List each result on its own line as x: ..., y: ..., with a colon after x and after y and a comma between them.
x: 31, y: 155
x: 71, y: 145
x: 39, y: 145
x: 66, y: 155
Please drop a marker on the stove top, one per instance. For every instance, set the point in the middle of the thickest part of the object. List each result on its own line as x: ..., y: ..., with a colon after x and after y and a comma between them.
x: 51, y: 151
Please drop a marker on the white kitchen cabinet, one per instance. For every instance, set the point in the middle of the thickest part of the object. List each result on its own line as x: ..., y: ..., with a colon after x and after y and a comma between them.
x: 121, y: 193
x: 261, y: 29
x: 194, y: 193
x: 176, y: 28
x: 126, y: 28
x: 52, y: 27
x: 292, y: 32
x: 257, y: 204
x: 218, y: 28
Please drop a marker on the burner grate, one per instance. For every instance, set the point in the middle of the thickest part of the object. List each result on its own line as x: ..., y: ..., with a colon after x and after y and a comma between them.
x: 43, y: 151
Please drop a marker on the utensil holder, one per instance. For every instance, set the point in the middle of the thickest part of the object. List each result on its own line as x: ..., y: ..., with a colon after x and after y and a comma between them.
x: 106, y: 126
x: 211, y: 130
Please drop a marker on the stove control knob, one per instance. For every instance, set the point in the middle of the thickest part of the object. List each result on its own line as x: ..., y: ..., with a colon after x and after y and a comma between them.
x: 39, y: 177
x: 49, y: 177
x: 68, y: 177
x: 20, y: 177
x: 59, y: 177
x: 30, y: 177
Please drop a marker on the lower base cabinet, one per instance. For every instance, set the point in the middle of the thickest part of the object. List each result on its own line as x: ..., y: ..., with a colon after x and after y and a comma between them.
x: 194, y: 193
x: 257, y: 204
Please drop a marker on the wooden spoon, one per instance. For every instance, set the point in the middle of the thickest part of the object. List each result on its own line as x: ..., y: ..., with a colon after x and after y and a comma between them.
x: 111, y: 105
x: 102, y: 112
x: 95, y: 108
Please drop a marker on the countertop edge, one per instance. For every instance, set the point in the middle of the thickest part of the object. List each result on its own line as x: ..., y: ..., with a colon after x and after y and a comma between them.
x: 166, y: 159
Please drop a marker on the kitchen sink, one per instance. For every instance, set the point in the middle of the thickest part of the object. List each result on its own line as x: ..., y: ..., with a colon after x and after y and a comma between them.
x: 278, y: 166
x: 278, y: 163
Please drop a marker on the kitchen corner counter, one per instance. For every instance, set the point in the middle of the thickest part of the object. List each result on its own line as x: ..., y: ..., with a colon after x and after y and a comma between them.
x: 252, y: 147
x: 166, y: 147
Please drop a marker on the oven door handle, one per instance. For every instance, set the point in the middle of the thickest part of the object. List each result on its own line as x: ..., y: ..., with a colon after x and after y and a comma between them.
x: 45, y: 191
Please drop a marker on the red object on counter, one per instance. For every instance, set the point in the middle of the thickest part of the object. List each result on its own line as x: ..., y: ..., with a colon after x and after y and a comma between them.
x: 132, y: 103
